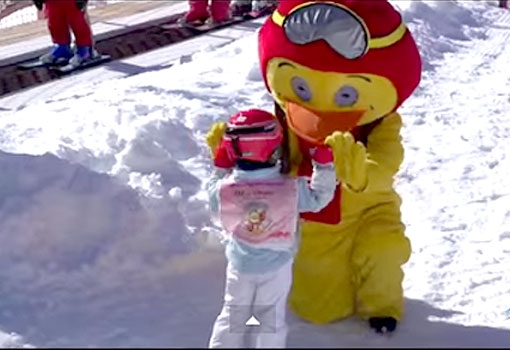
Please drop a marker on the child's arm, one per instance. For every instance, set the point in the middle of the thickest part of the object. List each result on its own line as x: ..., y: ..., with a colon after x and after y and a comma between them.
x: 313, y: 196
x: 212, y: 187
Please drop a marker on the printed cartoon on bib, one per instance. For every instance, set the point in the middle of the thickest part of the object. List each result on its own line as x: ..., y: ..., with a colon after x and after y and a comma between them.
x: 260, y: 213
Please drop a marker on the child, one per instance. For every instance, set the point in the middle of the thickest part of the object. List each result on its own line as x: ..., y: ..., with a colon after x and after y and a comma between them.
x: 218, y: 11
x: 63, y: 16
x: 259, y: 209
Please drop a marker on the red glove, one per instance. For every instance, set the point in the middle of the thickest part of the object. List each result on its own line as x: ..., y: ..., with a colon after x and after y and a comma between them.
x: 321, y: 154
x: 221, y: 158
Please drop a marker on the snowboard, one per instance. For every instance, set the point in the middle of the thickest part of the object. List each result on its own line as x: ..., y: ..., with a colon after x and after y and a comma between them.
x: 38, y: 64
x: 69, y: 68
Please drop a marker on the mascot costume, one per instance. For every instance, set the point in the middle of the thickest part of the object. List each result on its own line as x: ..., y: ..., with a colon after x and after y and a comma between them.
x: 338, y: 71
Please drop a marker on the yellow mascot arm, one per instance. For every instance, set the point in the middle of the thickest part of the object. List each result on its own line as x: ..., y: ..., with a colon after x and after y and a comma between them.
x: 371, y: 168
x: 385, y: 153
x: 214, y: 136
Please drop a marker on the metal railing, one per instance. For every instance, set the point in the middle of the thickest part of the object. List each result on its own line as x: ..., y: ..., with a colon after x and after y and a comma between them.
x: 17, y: 12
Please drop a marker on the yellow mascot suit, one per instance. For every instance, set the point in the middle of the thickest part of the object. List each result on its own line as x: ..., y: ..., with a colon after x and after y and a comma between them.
x: 338, y: 71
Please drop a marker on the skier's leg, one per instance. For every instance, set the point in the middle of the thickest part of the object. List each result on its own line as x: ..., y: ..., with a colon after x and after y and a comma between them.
x: 57, y: 22
x: 197, y: 11
x: 269, y: 307
x: 79, y: 24
x: 58, y: 27
x: 228, y: 330
x: 82, y: 32
x: 220, y: 10
x: 87, y: 19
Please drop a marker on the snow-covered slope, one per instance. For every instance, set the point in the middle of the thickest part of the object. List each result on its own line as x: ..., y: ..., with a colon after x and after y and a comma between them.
x: 105, y: 235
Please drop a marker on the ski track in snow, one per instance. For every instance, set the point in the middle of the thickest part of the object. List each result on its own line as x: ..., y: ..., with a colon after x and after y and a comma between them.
x: 464, y: 246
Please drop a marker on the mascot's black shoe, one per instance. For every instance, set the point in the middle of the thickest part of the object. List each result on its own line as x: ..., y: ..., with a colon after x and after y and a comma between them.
x: 382, y: 324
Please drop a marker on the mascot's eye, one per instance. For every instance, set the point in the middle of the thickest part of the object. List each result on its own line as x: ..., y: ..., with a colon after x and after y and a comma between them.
x: 301, y: 88
x: 346, y: 96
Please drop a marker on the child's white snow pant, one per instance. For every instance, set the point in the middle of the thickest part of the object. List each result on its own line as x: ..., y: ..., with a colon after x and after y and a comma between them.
x: 267, y: 293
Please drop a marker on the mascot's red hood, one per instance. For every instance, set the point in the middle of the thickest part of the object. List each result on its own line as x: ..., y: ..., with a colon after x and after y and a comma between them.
x: 399, y: 62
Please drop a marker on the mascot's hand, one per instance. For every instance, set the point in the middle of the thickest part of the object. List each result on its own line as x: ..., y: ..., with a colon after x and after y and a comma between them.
x: 351, y: 160
x: 215, y: 135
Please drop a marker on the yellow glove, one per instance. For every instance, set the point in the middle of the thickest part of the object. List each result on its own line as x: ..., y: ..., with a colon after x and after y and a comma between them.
x: 214, y: 136
x: 351, y: 160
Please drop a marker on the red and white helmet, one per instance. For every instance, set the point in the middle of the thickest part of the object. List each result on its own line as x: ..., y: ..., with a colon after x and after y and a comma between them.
x: 252, y: 135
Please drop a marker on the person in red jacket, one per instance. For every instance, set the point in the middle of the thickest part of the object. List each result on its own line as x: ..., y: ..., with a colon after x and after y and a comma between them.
x: 64, y: 16
x: 503, y: 4
x: 217, y: 12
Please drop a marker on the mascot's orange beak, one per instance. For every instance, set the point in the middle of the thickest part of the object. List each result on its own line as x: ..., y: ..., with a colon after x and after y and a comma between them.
x: 315, y: 126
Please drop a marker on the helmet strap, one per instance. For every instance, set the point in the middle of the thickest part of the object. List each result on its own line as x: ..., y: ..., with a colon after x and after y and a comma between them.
x: 285, y: 165
x: 235, y: 146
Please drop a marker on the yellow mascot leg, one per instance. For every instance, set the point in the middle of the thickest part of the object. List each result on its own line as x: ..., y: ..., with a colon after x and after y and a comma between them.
x: 322, y: 289
x: 379, y: 251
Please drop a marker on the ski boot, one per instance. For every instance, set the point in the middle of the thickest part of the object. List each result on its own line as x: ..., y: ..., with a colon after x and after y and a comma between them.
x: 83, y: 54
x: 59, y: 55
x: 220, y: 12
x: 192, y: 20
x: 214, y: 22
x: 240, y: 8
x: 264, y: 7
x: 197, y: 13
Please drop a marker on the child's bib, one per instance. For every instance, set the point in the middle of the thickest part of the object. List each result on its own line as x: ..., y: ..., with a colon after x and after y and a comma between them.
x: 261, y: 213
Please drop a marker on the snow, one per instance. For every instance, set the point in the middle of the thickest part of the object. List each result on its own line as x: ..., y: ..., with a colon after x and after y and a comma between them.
x: 26, y: 15
x: 106, y: 237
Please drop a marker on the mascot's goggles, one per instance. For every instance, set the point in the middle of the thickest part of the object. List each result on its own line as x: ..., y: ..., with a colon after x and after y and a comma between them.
x: 343, y: 30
